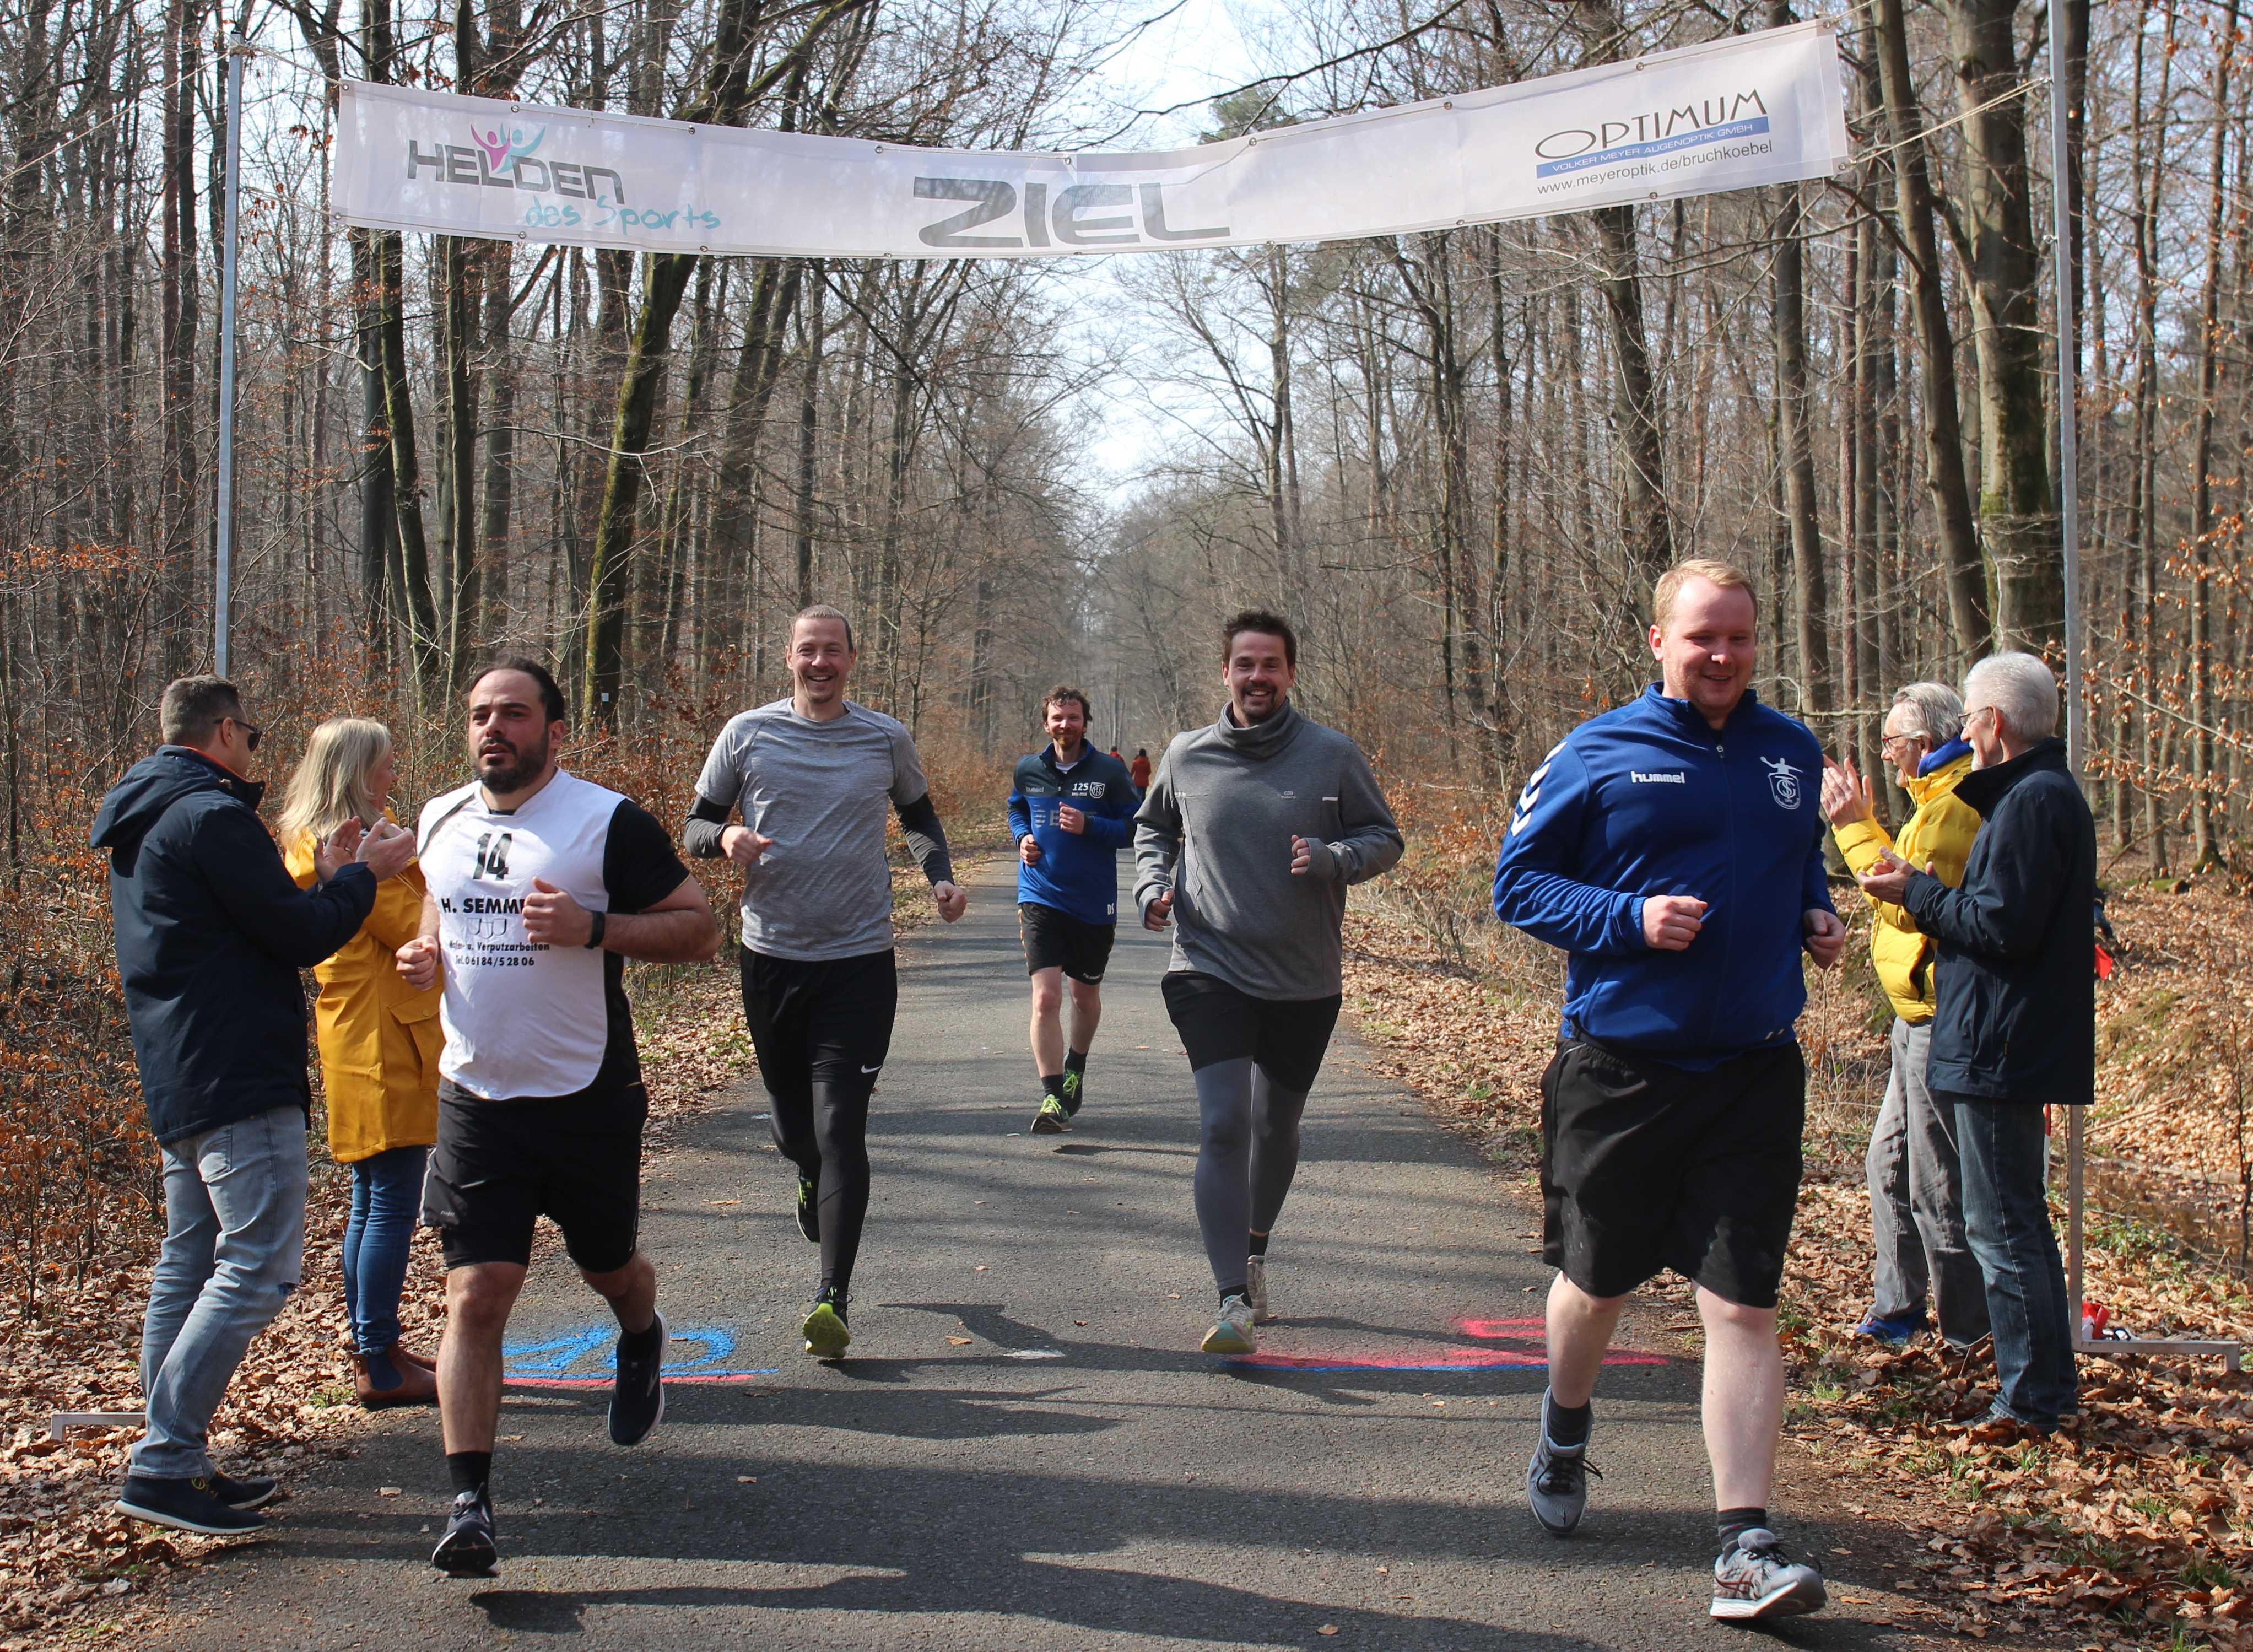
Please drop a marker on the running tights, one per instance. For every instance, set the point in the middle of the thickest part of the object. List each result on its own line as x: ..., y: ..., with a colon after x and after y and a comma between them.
x: 1246, y: 1159
x: 824, y: 1131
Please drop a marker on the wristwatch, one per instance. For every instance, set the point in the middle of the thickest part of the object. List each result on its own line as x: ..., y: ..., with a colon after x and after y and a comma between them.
x: 601, y: 921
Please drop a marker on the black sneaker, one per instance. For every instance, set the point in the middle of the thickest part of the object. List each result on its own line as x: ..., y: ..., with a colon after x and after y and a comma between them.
x: 809, y: 1211
x: 1075, y: 1091
x: 638, y: 1395
x: 249, y: 1491
x: 468, y: 1549
x: 184, y: 1505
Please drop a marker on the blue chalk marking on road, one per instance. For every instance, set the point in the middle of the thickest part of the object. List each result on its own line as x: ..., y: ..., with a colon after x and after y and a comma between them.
x: 588, y: 1357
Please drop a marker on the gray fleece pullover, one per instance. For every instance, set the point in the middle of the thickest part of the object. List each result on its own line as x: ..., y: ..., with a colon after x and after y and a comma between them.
x: 1215, y: 830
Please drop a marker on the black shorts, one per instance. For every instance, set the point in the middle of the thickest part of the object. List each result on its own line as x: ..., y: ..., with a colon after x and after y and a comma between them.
x: 828, y: 1021
x: 1057, y: 940
x: 1287, y: 1037
x: 500, y: 1166
x: 1646, y: 1167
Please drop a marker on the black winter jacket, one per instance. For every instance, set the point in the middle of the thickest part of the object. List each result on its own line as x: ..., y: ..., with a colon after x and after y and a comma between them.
x: 2015, y: 976
x: 211, y: 932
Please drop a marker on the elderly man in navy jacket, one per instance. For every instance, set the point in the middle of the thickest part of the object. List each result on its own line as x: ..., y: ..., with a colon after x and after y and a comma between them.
x: 1674, y: 847
x: 2014, y: 1021
x: 211, y: 932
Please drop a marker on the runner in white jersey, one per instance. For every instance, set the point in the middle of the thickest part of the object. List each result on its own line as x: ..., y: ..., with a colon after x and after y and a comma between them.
x: 540, y: 885
x: 814, y: 778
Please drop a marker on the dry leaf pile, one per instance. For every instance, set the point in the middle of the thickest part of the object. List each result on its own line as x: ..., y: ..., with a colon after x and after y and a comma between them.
x: 2133, y: 1526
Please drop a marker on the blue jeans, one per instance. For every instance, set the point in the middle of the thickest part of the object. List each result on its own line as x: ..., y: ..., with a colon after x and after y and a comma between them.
x: 2006, y: 1223
x: 386, y: 1200
x: 235, y: 1237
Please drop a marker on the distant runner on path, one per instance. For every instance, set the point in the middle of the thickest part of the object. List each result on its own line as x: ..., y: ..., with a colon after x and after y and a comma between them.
x: 1674, y: 846
x: 1071, y: 810
x: 539, y: 887
x: 1253, y: 830
x: 815, y: 777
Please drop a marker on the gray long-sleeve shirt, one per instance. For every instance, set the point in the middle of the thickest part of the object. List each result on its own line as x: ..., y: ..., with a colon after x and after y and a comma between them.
x: 1216, y: 830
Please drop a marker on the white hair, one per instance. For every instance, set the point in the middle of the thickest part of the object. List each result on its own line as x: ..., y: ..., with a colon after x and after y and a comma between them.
x: 1937, y: 712
x: 2020, y: 688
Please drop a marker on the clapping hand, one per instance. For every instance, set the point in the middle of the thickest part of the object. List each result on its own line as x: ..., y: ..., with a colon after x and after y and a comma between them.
x: 1845, y: 794
x: 387, y: 849
x: 338, y: 850
x: 1888, y: 879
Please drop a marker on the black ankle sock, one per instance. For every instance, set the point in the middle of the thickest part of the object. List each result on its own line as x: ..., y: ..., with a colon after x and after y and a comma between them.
x: 468, y: 1470
x: 1075, y: 1061
x: 1730, y: 1522
x: 1259, y: 1243
x: 1053, y: 1083
x: 833, y: 1294
x: 638, y: 1344
x: 1566, y: 1426
x: 1238, y: 1289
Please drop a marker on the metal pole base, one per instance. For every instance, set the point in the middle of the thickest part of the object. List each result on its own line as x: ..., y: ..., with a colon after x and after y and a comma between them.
x: 2230, y: 1354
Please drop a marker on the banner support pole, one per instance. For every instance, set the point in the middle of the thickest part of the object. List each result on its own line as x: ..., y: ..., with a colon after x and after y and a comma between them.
x: 238, y: 48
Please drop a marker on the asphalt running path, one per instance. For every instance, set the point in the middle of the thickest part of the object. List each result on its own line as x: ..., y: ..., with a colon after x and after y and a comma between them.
x: 1026, y: 1450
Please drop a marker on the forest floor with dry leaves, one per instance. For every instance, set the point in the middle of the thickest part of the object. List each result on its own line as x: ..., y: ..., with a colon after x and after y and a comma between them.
x: 2131, y: 1527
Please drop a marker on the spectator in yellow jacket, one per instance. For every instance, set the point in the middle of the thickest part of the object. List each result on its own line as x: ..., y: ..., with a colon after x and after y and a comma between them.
x: 380, y: 1042
x: 1916, y: 1201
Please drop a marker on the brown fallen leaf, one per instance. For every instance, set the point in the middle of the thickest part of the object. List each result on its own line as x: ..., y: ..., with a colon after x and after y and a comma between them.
x: 961, y: 1342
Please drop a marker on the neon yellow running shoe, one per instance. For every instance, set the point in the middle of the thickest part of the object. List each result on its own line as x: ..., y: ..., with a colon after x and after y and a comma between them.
x: 825, y: 1335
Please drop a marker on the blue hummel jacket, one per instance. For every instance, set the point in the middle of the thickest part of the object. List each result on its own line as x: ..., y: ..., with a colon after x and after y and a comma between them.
x: 1649, y: 799
x: 1078, y: 872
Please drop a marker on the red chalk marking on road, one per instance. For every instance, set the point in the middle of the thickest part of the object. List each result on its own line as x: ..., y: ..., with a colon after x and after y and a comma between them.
x: 1525, y: 1349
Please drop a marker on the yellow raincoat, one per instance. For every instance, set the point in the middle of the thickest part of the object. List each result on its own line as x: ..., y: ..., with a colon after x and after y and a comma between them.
x: 1940, y: 832
x: 379, y: 1038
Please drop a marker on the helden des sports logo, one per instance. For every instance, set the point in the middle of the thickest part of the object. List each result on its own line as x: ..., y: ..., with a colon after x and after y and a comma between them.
x: 497, y: 160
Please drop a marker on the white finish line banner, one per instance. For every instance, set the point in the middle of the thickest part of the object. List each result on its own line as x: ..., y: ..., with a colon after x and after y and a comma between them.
x: 1752, y: 109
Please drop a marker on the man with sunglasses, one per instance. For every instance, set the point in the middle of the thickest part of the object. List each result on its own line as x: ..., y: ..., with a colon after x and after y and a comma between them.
x: 211, y: 931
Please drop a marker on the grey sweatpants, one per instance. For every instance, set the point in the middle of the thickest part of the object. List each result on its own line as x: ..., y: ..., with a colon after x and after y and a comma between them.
x: 1247, y: 1156
x: 1916, y: 1202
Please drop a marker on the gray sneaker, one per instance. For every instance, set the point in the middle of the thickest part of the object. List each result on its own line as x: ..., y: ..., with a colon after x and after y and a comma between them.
x: 1231, y: 1329
x: 1756, y: 1577
x: 1557, y: 1485
x: 1255, y: 1290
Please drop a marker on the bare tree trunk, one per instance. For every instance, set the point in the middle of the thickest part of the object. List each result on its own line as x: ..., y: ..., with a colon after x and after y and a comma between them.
x: 2205, y: 852
x: 1936, y: 345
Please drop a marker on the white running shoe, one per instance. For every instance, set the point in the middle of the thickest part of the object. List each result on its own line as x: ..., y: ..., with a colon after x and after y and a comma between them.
x: 1255, y: 1290
x: 1231, y: 1330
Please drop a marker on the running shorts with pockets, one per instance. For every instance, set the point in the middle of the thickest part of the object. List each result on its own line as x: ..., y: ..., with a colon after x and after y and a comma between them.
x: 827, y: 1020
x: 1057, y: 940
x: 1646, y: 1167
x: 500, y: 1166
x: 1287, y: 1037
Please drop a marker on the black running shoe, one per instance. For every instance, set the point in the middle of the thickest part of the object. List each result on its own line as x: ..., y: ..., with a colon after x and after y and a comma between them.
x: 185, y: 1505
x: 809, y: 1209
x: 250, y: 1491
x: 468, y: 1549
x: 638, y: 1395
